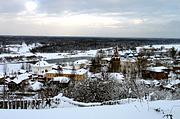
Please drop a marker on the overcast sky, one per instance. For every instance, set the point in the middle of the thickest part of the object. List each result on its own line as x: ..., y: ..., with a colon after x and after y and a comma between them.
x: 101, y: 18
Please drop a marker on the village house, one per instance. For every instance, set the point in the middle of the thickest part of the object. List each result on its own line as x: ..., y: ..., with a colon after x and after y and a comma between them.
x: 35, y: 86
x: 176, y: 71
x: 79, y: 74
x: 157, y: 73
x: 19, y: 82
x: 61, y: 82
x: 105, y: 61
x: 41, y: 67
x: 161, y: 53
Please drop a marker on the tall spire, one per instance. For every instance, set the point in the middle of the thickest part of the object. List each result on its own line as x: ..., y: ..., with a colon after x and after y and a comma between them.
x: 116, y: 53
x: 115, y: 63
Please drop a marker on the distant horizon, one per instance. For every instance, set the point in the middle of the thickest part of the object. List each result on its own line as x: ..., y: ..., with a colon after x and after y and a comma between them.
x: 81, y: 36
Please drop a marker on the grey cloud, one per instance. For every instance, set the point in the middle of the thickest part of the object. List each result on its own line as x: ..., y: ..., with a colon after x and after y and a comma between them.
x: 142, y: 7
x: 109, y: 5
x: 161, y: 17
x: 11, y: 6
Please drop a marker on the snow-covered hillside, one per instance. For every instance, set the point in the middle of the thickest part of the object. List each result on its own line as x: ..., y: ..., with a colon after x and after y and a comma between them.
x: 137, y: 110
x: 23, y: 48
x: 167, y: 46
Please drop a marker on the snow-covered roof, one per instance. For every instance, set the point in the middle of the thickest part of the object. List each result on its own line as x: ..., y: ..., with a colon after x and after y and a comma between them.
x: 169, y: 86
x: 83, y: 61
x: 36, y: 86
x: 107, y: 58
x: 155, y: 82
x: 135, y: 54
x: 69, y: 71
x: 157, y: 69
x: 129, y: 51
x: 68, y: 67
x: 56, y: 66
x: 96, y: 75
x: 21, y: 78
x: 146, y: 82
x: 61, y: 79
x: 148, y: 47
x: 79, y: 71
x: 130, y: 55
x: 128, y: 60
x: 121, y: 53
x: 53, y: 71
x: 42, y: 64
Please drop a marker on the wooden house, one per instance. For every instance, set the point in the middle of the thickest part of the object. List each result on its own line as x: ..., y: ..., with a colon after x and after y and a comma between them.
x: 61, y: 82
x: 74, y: 74
x: 157, y: 73
x: 41, y: 67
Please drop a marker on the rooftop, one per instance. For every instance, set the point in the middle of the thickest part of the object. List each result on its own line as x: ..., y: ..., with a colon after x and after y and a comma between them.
x: 42, y: 64
x: 157, y: 69
x: 61, y: 79
x: 69, y: 71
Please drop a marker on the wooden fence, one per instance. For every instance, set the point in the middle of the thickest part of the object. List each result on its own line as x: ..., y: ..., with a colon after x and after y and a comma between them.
x: 28, y: 104
x: 54, y: 103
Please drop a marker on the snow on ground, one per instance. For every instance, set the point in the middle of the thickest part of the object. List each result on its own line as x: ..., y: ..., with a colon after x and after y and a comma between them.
x: 23, y: 48
x: 24, y: 51
x: 47, y: 56
x: 176, y: 46
x: 136, y: 110
x: 16, y: 55
x: 168, y: 46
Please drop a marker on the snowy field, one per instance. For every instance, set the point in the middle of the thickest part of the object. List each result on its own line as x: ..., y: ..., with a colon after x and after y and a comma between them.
x: 134, y: 110
x: 48, y: 56
x: 176, y: 46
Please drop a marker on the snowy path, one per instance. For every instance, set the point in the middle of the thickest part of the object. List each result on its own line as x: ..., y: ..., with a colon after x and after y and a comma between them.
x: 134, y: 110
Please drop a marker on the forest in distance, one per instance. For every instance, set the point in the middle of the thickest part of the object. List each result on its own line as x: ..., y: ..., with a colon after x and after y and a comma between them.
x: 59, y: 44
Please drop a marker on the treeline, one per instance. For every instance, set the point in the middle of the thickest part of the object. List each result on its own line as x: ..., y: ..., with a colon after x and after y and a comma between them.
x: 71, y: 44
x: 60, y: 44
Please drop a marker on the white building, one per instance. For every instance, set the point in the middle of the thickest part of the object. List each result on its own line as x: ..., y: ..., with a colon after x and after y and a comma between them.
x: 41, y: 67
